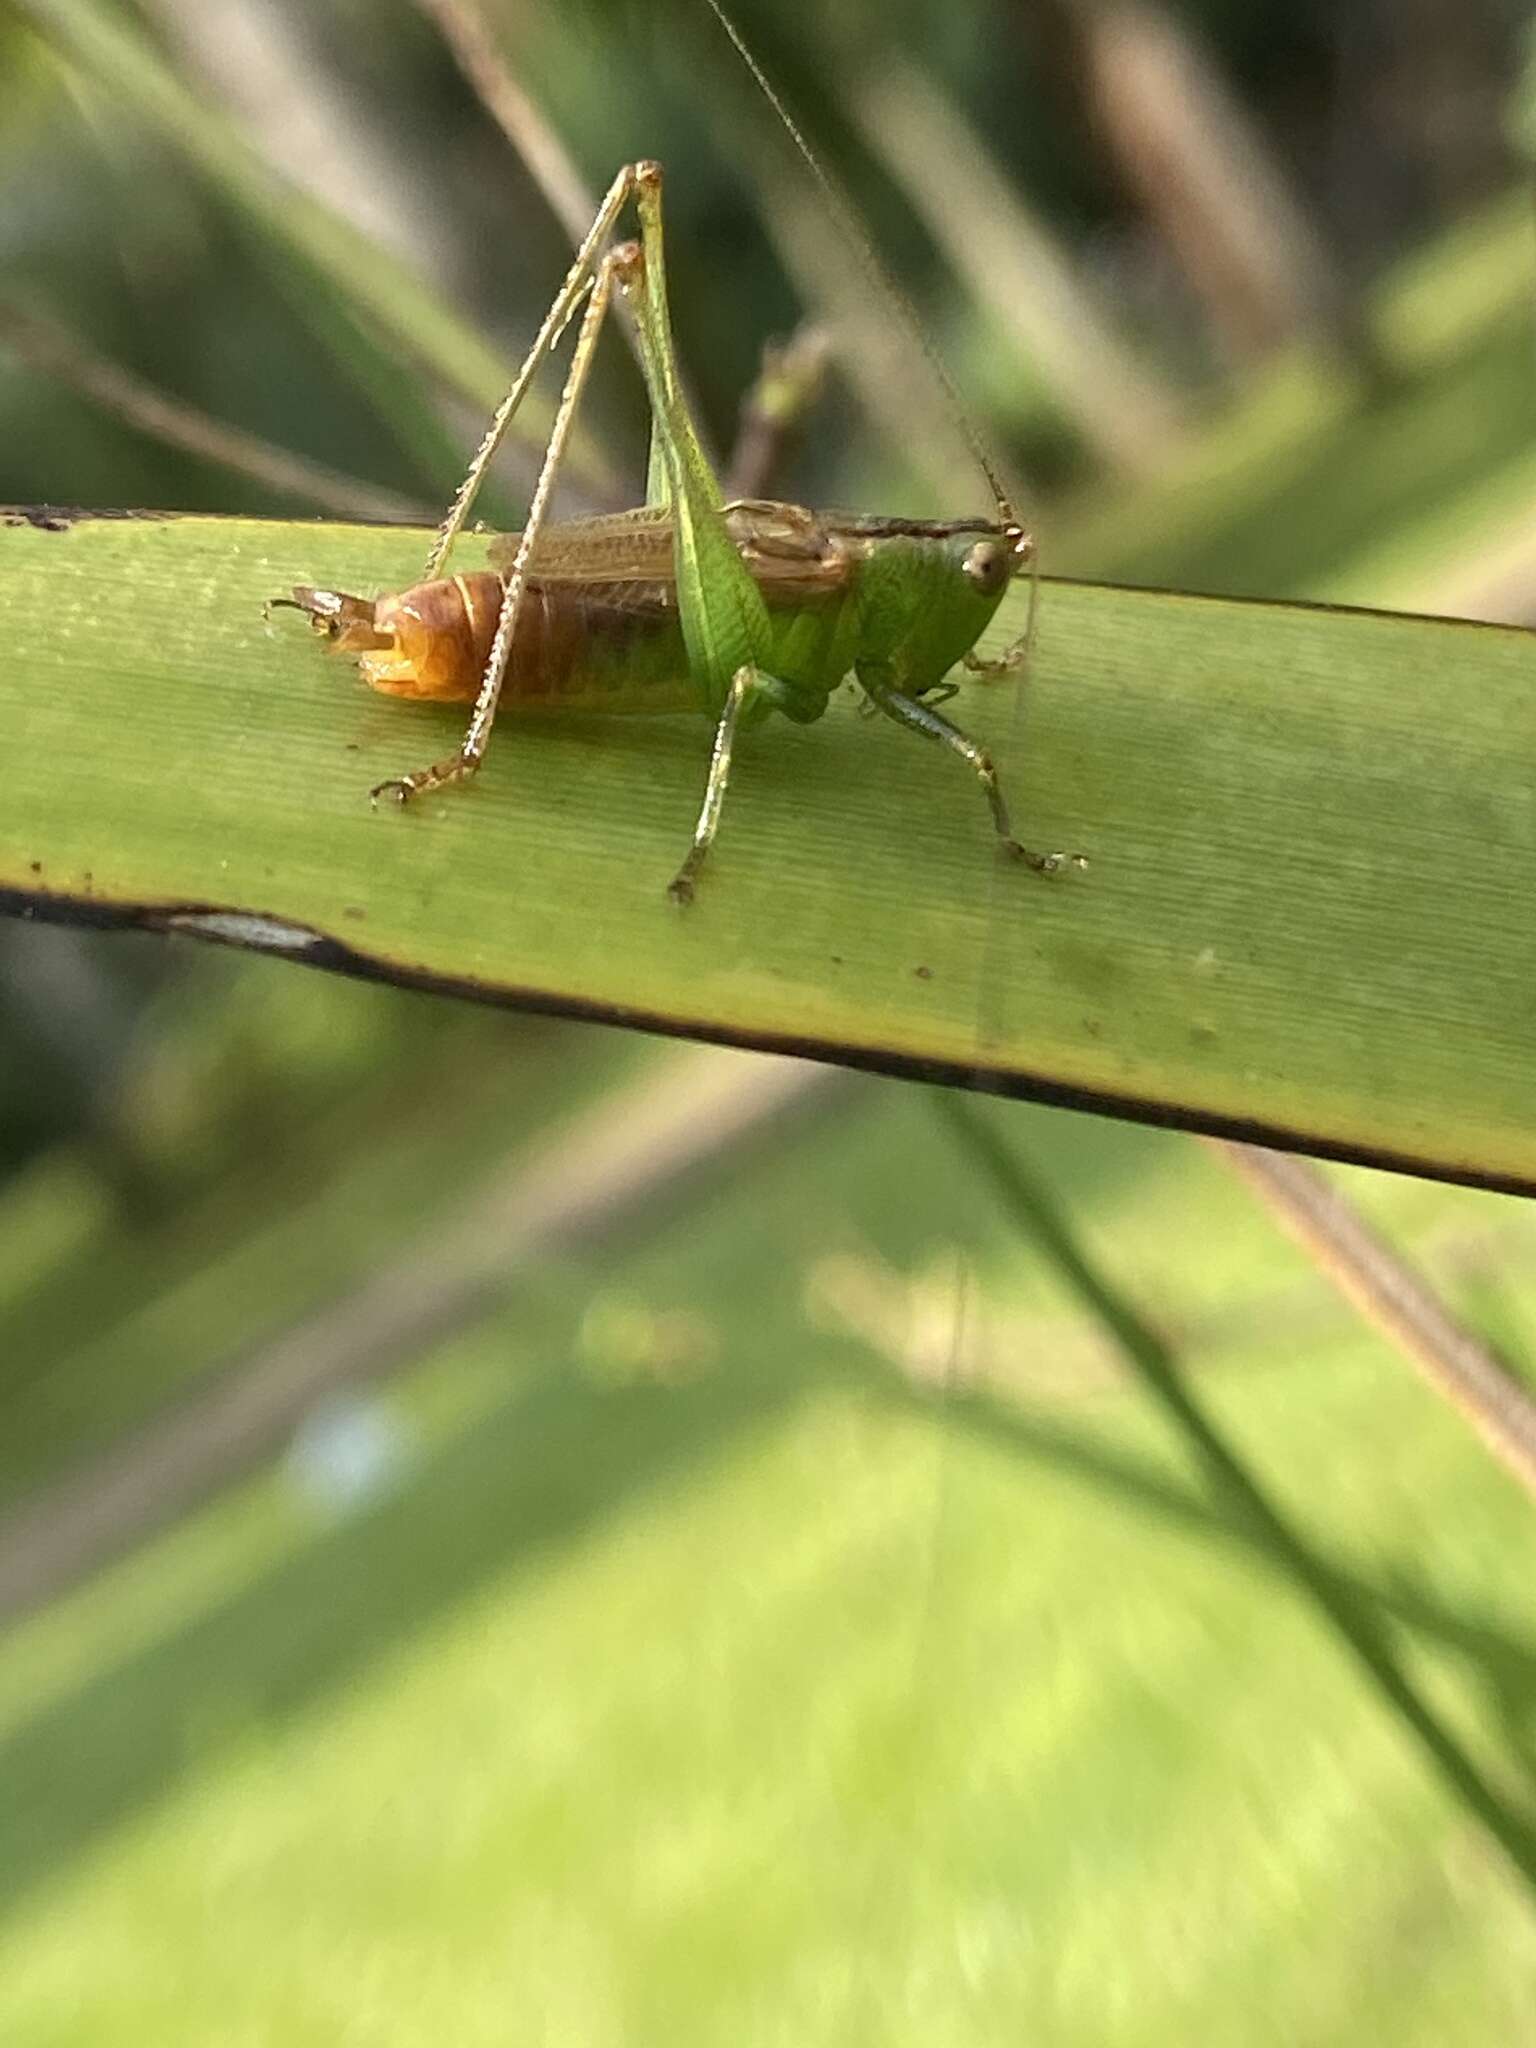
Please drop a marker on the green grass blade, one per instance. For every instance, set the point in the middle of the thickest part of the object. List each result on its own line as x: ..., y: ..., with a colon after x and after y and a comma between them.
x: 1237, y: 1490
x: 1312, y: 839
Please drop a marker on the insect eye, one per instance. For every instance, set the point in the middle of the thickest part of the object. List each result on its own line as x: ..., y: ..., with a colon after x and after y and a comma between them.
x: 986, y: 567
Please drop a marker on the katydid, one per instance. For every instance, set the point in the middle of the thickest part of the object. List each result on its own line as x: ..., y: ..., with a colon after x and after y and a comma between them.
x: 738, y: 610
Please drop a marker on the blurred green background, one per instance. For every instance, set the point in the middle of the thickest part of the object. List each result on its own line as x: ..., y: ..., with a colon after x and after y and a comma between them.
x: 771, y: 1615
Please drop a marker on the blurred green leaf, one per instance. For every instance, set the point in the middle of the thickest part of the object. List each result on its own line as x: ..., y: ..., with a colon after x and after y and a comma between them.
x: 1306, y: 481
x: 335, y: 273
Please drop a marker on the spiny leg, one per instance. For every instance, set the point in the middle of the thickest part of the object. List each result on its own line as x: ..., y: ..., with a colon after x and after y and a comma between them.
x: 458, y: 767
x: 578, y: 279
x: 921, y: 718
x: 680, y: 889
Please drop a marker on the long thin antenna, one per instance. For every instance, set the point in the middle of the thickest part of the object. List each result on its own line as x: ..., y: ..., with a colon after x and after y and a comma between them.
x: 848, y: 225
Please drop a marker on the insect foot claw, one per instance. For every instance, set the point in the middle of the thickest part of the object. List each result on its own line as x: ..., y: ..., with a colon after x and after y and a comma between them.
x: 457, y: 768
x: 1044, y: 863
x: 992, y: 671
x: 680, y: 888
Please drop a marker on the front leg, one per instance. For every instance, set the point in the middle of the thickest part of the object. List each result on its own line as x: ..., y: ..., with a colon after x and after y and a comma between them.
x: 746, y: 685
x: 996, y: 668
x: 753, y: 691
x: 680, y: 888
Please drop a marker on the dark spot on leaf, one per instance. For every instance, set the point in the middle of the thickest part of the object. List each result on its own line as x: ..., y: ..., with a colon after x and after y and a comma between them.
x: 923, y: 973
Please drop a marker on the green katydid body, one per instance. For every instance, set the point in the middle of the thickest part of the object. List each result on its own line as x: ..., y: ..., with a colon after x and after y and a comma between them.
x: 894, y: 602
x: 739, y: 609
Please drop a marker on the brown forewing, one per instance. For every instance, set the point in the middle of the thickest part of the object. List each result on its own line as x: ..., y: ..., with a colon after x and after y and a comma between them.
x: 789, y: 552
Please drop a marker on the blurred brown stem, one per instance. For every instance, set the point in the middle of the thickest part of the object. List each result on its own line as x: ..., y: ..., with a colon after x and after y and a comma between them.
x: 774, y: 414
x: 1016, y: 267
x: 44, y: 346
x: 1390, y: 1294
x: 516, y: 114
x: 1210, y: 181
x: 534, y: 142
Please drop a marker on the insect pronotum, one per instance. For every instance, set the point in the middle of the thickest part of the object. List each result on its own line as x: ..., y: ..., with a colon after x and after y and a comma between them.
x: 739, y: 610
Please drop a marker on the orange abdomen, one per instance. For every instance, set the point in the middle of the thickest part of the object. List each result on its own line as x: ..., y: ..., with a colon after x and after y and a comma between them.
x: 441, y: 637
x: 577, y: 646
